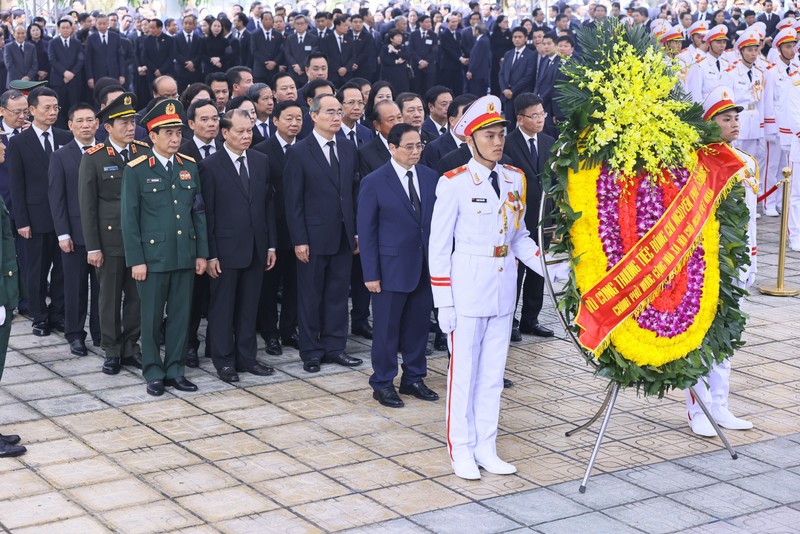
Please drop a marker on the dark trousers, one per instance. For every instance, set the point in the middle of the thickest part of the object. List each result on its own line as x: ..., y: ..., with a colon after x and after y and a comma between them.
x: 532, y: 292
x: 452, y: 79
x: 232, y: 315
x: 285, y: 271
x: 424, y: 79
x: 400, y: 324
x: 322, y: 285
x: 68, y: 96
x: 359, y: 294
x: 19, y: 242
x: 172, y: 289
x: 120, y: 315
x: 200, y: 299
x: 478, y: 86
x: 77, y: 276
x: 5, y: 333
x: 44, y: 258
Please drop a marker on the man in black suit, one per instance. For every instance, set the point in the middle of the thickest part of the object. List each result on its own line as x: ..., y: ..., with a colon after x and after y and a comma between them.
x: 264, y: 101
x: 65, y: 208
x: 480, y: 62
x: 28, y: 163
x: 297, y: 48
x: 157, y: 52
x: 424, y: 47
x: 545, y: 81
x: 188, y: 47
x: 241, y: 244
x: 366, y: 53
x: 319, y: 170
x: 413, y: 113
x: 449, y: 141
x: 769, y: 18
x: 529, y: 150
x: 450, y: 59
x: 103, y: 54
x: 287, y: 118
x: 267, y: 49
x: 203, y: 121
x: 66, y: 69
x: 517, y: 72
x: 339, y: 50
x: 437, y: 100
x: 244, y: 39
x: 376, y: 153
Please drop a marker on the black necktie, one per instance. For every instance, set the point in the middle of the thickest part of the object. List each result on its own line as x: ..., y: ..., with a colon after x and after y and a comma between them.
x: 124, y: 154
x: 243, y: 174
x: 442, y: 130
x: 750, y: 75
x: 66, y: 43
x: 300, y: 40
x: 788, y: 69
x: 48, y: 148
x: 169, y: 168
x: 207, y: 150
x: 534, y: 154
x: 495, y: 185
x: 340, y: 43
x: 86, y: 147
x: 269, y: 37
x: 334, y: 160
x: 189, y: 38
x: 412, y: 194
x: 516, y: 58
x: 352, y: 136
x: 462, y: 145
x: 543, y: 65
x: 16, y: 131
x: 265, y: 130
x: 104, y: 40
x: 719, y: 67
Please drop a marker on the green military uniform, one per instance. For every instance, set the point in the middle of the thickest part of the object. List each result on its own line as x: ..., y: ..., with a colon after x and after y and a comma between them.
x: 164, y: 227
x: 99, y: 190
x: 10, y: 281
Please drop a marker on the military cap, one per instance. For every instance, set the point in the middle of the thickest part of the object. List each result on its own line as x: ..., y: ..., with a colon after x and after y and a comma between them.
x: 122, y: 106
x: 698, y: 28
x: 786, y: 35
x: 165, y: 113
x: 748, y: 38
x: 787, y: 22
x: 671, y: 34
x: 719, y: 100
x: 718, y: 32
x: 26, y: 86
x: 482, y: 113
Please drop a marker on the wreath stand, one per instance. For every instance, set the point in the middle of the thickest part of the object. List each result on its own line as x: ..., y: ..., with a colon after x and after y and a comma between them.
x: 614, y: 387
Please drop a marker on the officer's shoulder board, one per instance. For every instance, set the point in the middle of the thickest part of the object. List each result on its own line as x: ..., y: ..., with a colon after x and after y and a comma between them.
x: 135, y: 162
x: 732, y: 67
x: 455, y: 172
x: 140, y: 143
x: 184, y: 156
x: 512, y: 168
x: 95, y: 148
x: 699, y: 58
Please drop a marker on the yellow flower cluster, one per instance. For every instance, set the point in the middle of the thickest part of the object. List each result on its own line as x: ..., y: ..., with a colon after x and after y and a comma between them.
x: 634, y: 114
x: 634, y: 343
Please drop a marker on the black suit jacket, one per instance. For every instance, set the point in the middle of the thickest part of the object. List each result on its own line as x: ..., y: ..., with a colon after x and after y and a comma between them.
x: 545, y: 83
x: 263, y: 51
x: 185, y: 52
x: 437, y: 149
x: 65, y: 59
x: 238, y: 220
x: 105, y: 60
x: 449, y: 51
x: 366, y: 55
x: 28, y: 167
x: 190, y: 149
x: 277, y: 160
x: 537, y: 175
x: 313, y: 215
x: 297, y: 54
x: 63, y: 192
x: 157, y: 54
x: 372, y: 156
x: 424, y: 49
x: 337, y: 59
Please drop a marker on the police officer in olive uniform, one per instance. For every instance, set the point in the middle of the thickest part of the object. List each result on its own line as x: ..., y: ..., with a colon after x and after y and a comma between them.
x: 164, y: 232
x: 99, y: 188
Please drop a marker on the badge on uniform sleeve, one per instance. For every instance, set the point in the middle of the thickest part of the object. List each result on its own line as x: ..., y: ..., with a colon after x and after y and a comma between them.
x: 479, y: 200
x: 185, y: 175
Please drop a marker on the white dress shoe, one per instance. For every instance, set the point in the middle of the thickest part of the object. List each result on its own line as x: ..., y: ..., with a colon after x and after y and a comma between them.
x: 726, y: 419
x: 701, y: 426
x: 496, y: 466
x: 771, y: 212
x: 466, y: 469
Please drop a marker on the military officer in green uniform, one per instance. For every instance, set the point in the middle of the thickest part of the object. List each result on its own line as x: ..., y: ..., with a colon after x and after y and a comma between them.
x: 164, y: 232
x: 10, y: 287
x: 99, y: 190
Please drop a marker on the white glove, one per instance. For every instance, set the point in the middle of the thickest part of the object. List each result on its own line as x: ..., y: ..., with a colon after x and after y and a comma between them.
x: 773, y: 138
x: 447, y: 319
x: 558, y: 271
x: 2, y: 315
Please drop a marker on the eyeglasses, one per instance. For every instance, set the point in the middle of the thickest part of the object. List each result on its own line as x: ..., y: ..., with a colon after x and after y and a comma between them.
x: 536, y: 116
x: 354, y: 103
x: 17, y: 112
x: 333, y: 113
x: 412, y: 147
x: 48, y: 109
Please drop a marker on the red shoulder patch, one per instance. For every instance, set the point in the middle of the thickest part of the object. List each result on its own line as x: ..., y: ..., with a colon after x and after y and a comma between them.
x: 95, y: 148
x: 455, y: 172
x: 512, y: 168
x: 152, y: 161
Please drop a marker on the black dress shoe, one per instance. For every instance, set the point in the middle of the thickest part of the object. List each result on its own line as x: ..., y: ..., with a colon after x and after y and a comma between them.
x: 420, y: 391
x: 155, y: 388
x: 364, y: 331
x: 191, y: 358
x: 274, y: 347
x: 507, y: 383
x: 180, y: 383
x: 343, y: 359
x: 95, y: 342
x: 388, y: 397
x: 516, y: 335
x: 536, y: 329
x: 78, y: 347
x: 57, y: 325
x: 257, y: 369
x: 311, y: 367
x: 41, y: 329
x: 133, y: 361
x: 291, y: 341
x: 440, y: 342
x: 428, y: 351
x: 11, y: 439
x: 8, y: 450
x: 228, y: 374
x: 111, y: 366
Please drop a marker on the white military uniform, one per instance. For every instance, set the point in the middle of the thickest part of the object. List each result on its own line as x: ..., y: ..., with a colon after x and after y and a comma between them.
x: 793, y: 114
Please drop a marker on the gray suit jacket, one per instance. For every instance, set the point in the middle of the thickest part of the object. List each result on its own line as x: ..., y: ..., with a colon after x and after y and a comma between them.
x: 19, y: 64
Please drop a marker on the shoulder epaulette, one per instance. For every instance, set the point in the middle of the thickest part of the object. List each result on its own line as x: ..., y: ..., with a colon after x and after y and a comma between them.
x: 512, y: 168
x: 184, y: 156
x: 700, y: 59
x: 731, y: 68
x: 770, y: 66
x: 95, y: 148
x: 455, y: 172
x: 140, y: 143
x: 135, y: 162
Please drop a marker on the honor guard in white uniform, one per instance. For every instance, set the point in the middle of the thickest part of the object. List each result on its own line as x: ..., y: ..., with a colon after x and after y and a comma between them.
x: 702, y: 80
x: 697, y: 48
x: 477, y: 234
x: 671, y: 44
x: 777, y: 129
x: 774, y: 53
x: 715, y: 388
x: 793, y: 113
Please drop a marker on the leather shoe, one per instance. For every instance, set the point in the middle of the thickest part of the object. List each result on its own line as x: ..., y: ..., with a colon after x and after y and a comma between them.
x: 57, y: 325
x: 495, y: 465
x: 257, y: 369
x: 516, y: 335
x: 466, y: 469
x: 420, y: 391
x: 191, y: 358
x: 291, y: 341
x: 440, y: 342
x: 388, y: 397
x: 343, y: 359
x: 180, y: 383
x: 228, y: 374
x: 274, y: 347
x: 41, y: 329
x: 11, y: 439
x: 536, y: 329
x: 155, y: 388
x: 311, y: 367
x: 78, y: 347
x: 507, y: 383
x: 364, y: 331
x: 111, y: 366
x: 133, y: 361
x: 8, y: 450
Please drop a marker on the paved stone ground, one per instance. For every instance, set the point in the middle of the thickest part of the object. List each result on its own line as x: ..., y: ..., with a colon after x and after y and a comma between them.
x: 307, y: 453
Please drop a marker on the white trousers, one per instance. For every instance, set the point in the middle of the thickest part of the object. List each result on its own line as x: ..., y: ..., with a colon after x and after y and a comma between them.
x: 777, y: 158
x: 478, y: 352
x: 712, y: 390
x: 794, y: 206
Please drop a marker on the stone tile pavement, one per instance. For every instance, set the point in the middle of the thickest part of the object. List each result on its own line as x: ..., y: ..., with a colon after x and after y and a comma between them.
x: 312, y: 453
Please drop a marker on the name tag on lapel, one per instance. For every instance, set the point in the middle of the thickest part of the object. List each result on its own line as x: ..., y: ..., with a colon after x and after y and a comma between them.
x: 479, y: 200
x: 428, y: 41
x: 110, y: 168
x: 153, y: 180
x: 307, y: 48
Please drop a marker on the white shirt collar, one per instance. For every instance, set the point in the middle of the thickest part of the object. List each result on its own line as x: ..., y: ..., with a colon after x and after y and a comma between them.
x: 535, y: 138
x: 118, y: 149
x: 438, y: 126
x: 385, y: 142
x: 401, y: 172
x: 234, y: 157
x: 283, y: 141
x: 39, y: 132
x: 200, y: 144
x: 323, y: 143
x: 346, y: 129
x: 162, y: 159
x: 456, y: 139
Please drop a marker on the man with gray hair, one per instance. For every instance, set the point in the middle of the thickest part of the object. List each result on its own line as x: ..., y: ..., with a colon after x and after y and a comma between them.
x: 261, y: 96
x: 297, y: 48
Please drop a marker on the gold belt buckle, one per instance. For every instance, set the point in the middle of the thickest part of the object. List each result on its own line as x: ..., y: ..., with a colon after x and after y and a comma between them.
x: 751, y: 107
x: 501, y: 251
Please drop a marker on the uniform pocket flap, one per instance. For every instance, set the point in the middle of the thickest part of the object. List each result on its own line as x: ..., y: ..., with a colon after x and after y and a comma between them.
x: 152, y: 237
x: 154, y: 187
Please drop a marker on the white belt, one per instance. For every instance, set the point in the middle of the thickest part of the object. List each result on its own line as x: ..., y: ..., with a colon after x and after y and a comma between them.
x: 483, y: 250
